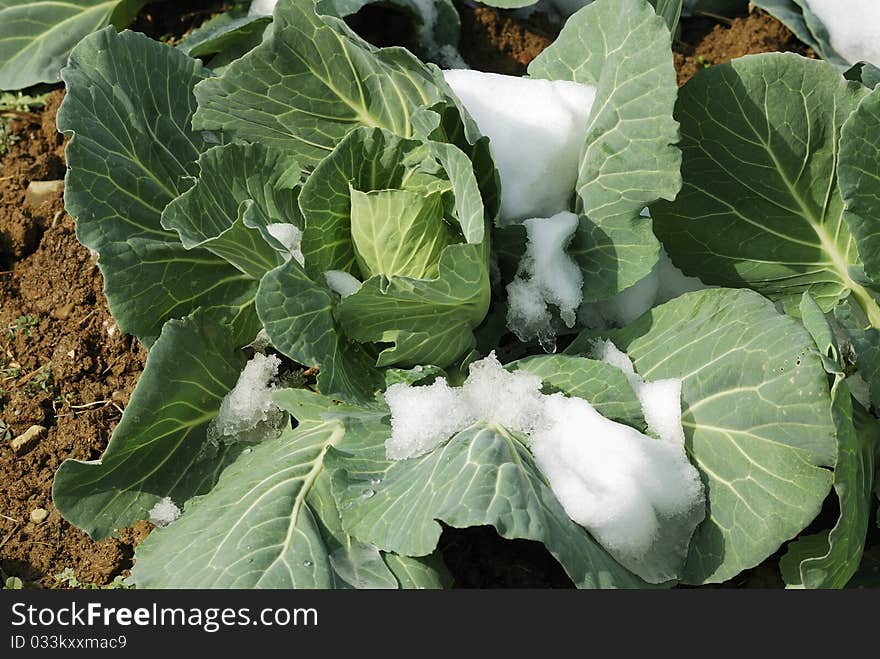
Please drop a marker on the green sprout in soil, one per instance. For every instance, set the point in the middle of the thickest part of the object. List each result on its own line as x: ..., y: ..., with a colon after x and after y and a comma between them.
x: 67, y: 579
x: 12, y: 583
x: 41, y: 380
x: 22, y: 324
x: 16, y: 106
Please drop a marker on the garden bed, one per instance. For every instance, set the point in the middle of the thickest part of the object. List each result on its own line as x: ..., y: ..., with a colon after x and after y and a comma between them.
x: 65, y: 367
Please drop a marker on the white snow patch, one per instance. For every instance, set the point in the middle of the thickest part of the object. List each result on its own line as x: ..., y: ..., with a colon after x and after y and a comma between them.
x: 547, y: 275
x: 673, y: 282
x: 164, y: 512
x: 341, y: 282
x: 248, y: 412
x: 638, y: 496
x: 621, y: 309
x: 449, y: 58
x: 536, y: 128
x: 262, y: 7
x: 509, y: 399
x: 422, y: 418
x: 662, y: 284
x: 290, y: 237
x: 853, y: 27
x: 660, y: 399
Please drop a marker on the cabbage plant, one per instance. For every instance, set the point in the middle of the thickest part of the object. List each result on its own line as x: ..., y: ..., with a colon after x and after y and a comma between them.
x: 780, y: 195
x: 314, y: 234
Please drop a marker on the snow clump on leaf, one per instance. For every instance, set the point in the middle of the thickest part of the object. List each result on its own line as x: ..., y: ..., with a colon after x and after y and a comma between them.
x: 248, y: 412
x: 547, y: 275
x: 164, y: 512
x: 853, y: 26
x: 639, y: 496
x: 536, y: 130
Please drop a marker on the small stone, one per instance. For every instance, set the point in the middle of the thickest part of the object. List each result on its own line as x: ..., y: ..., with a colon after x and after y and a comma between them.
x: 61, y: 313
x: 27, y: 440
x: 39, y: 515
x: 39, y: 192
x: 119, y: 397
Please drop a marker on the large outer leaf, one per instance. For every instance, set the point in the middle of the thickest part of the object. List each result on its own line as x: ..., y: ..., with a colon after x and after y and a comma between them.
x: 271, y: 522
x: 859, y: 175
x: 268, y: 523
x: 298, y: 316
x: 760, y: 205
x: 756, y: 415
x: 829, y: 559
x: 37, y: 36
x: 157, y: 448
x: 312, y: 81
x: 629, y: 159
x: 241, y: 189
x: 483, y: 476
x: 128, y: 108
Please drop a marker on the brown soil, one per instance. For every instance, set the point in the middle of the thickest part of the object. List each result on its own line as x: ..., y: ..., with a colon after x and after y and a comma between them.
x: 492, y: 40
x: 708, y: 41
x: 63, y: 365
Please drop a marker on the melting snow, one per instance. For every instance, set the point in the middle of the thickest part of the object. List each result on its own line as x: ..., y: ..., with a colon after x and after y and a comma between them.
x: 547, y: 275
x: 853, y: 27
x: 638, y: 496
x: 164, y: 512
x: 248, y: 412
x: 536, y: 128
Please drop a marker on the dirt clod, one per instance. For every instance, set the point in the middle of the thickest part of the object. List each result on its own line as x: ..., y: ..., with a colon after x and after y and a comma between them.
x: 496, y: 42
x: 708, y: 42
